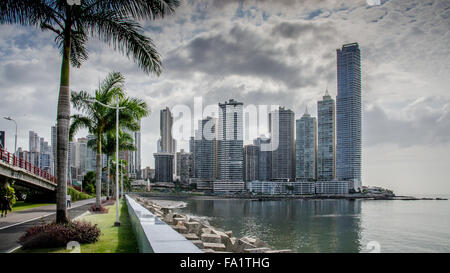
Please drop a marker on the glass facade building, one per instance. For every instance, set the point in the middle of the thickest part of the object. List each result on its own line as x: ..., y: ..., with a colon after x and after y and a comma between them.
x: 348, y: 113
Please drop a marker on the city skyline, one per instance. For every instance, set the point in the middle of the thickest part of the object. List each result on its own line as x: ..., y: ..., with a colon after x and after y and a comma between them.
x: 405, y: 116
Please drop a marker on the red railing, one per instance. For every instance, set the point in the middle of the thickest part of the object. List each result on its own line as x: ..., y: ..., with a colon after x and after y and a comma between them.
x: 15, y: 161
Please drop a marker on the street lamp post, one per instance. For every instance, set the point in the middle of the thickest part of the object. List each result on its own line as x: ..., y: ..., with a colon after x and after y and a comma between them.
x: 117, y: 222
x: 15, y: 138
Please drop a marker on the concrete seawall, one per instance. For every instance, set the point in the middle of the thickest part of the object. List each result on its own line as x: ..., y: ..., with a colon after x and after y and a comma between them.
x: 155, y: 236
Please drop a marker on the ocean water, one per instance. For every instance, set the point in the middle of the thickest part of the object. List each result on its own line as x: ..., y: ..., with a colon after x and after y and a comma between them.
x: 333, y: 225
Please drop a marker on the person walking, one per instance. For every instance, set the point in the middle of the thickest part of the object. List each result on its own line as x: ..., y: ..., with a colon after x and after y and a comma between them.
x: 4, y: 205
x: 68, y: 200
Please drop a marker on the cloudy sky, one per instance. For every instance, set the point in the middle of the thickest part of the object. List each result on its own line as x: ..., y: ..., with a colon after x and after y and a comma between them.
x: 261, y: 52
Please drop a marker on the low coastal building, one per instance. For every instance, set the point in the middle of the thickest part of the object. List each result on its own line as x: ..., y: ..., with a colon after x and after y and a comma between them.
x: 279, y: 187
x: 332, y: 187
x: 228, y: 186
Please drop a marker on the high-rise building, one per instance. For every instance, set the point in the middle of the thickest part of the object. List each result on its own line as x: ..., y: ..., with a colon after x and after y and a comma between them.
x: 230, y: 141
x: 348, y: 113
x: 53, y: 141
x: 166, y: 144
x: 205, y: 152
x: 184, y: 166
x: 163, y: 167
x: 251, y: 161
x: 306, y: 143
x: 2, y: 140
x: 326, y: 143
x: 264, y: 158
x: 34, y: 142
x: 81, y: 157
x: 166, y: 141
x: 281, y: 129
x: 137, y: 154
x: 91, y: 155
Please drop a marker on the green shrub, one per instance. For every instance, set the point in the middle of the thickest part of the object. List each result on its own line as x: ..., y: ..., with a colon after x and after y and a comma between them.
x: 76, y: 195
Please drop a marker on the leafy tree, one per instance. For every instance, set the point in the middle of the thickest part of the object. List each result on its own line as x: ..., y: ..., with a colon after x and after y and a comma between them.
x: 99, y: 119
x: 89, y: 182
x: 126, y: 143
x: 114, y: 22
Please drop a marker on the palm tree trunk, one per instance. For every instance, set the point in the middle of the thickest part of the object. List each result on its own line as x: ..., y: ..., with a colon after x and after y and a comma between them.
x: 107, y: 175
x: 63, y: 121
x: 98, y: 174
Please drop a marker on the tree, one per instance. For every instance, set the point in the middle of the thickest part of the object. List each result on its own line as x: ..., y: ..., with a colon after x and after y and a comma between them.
x: 114, y: 22
x: 99, y: 119
x: 89, y: 182
x: 109, y: 148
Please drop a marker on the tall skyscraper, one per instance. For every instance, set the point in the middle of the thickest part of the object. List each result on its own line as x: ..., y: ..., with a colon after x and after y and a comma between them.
x: 91, y: 155
x: 2, y: 140
x: 348, y: 113
x: 53, y: 141
x: 137, y: 153
x: 230, y: 141
x: 306, y: 143
x: 163, y: 167
x: 326, y: 144
x: 184, y: 166
x: 166, y: 141
x: 251, y: 160
x: 81, y: 157
x: 281, y: 129
x: 166, y: 144
x: 205, y: 152
x: 264, y: 158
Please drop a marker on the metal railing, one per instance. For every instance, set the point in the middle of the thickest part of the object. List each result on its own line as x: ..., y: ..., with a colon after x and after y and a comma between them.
x: 15, y: 161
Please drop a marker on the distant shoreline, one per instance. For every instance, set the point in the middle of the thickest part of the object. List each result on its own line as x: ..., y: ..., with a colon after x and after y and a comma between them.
x: 262, y: 198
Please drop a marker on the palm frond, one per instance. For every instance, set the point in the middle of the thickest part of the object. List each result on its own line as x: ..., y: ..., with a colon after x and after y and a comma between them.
x: 137, y: 9
x: 79, y: 122
x: 126, y: 36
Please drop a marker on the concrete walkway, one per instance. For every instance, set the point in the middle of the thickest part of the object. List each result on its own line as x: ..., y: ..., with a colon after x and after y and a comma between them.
x: 15, y: 225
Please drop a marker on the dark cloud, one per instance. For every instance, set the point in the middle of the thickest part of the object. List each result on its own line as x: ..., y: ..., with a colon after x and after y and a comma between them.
x: 240, y: 51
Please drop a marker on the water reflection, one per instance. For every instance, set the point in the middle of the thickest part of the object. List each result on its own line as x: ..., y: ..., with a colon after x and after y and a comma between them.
x: 300, y: 225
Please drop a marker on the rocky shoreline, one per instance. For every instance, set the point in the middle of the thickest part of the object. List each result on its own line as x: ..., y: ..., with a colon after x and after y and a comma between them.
x: 284, y: 197
x: 206, y: 237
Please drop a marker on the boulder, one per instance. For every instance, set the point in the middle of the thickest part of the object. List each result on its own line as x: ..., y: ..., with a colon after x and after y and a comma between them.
x: 241, y: 245
x: 204, y: 231
x: 280, y: 251
x: 229, y: 243
x: 198, y: 243
x: 178, y: 219
x: 214, y: 246
x: 180, y: 229
x: 229, y: 233
x: 211, y: 238
x: 193, y: 227
x: 257, y: 250
x: 191, y: 236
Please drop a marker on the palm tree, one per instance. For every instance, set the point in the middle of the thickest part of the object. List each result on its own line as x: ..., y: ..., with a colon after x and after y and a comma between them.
x: 112, y: 21
x: 109, y: 148
x: 99, y: 119
x: 122, y: 163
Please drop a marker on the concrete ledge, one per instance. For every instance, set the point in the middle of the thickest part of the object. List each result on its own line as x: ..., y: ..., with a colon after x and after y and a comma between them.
x: 155, y: 236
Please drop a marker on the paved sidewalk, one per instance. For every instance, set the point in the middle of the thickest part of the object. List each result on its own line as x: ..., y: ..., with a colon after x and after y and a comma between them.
x: 23, y: 216
x: 15, y: 225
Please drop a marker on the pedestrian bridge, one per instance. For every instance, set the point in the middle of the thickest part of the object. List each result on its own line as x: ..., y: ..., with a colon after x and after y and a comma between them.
x: 24, y: 173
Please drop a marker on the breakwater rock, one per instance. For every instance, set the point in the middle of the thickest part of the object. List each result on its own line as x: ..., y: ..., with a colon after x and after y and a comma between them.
x: 206, y: 237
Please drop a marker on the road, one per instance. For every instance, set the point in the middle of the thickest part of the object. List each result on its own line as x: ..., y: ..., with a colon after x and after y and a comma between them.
x: 15, y: 225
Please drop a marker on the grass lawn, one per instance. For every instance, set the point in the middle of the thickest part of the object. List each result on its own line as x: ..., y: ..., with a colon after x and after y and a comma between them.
x: 112, y: 239
x: 21, y: 205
